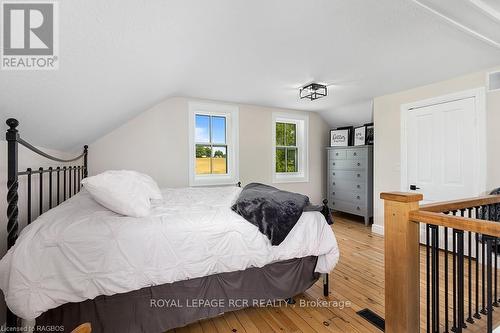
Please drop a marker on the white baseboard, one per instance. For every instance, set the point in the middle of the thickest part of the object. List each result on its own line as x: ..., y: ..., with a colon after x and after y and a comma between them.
x: 378, y: 229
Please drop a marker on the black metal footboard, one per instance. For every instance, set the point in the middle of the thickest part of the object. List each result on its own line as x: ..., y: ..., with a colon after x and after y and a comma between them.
x: 62, y: 183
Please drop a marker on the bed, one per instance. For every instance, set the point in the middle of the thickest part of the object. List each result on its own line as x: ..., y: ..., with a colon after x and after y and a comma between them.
x: 192, y: 258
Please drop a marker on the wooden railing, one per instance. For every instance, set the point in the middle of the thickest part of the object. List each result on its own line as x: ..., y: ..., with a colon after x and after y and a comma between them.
x: 469, y: 218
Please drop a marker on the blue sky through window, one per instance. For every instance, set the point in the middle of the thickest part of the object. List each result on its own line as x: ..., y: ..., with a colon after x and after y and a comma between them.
x: 218, y: 130
x: 202, y: 128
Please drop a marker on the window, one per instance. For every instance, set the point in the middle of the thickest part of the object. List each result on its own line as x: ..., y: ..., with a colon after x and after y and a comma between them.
x: 290, y: 157
x: 211, y: 147
x: 213, y: 143
x: 286, y: 147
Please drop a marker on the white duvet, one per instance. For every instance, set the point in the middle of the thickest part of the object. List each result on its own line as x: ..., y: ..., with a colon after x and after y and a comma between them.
x: 80, y: 250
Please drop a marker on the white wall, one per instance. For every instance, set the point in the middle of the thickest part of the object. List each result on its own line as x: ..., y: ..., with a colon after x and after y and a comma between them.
x: 388, y: 130
x: 156, y: 143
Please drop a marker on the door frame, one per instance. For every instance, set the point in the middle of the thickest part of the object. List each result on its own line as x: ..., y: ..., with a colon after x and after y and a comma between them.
x: 480, y: 169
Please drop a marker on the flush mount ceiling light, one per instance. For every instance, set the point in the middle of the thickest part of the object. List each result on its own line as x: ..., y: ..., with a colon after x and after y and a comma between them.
x: 313, y: 91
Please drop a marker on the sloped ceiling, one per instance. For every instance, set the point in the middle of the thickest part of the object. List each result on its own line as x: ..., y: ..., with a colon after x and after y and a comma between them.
x: 120, y: 57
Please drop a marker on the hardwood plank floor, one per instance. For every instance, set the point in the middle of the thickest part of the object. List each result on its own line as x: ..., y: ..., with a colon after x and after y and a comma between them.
x: 356, y: 283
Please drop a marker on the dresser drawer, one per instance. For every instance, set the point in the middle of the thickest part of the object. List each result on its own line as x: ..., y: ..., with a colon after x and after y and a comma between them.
x: 352, y: 197
x: 356, y: 154
x: 359, y: 176
x: 348, y: 164
x: 347, y: 185
x: 347, y: 207
x: 338, y: 154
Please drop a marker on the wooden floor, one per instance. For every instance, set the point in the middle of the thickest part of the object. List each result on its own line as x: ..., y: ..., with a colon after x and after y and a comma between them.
x: 357, y: 282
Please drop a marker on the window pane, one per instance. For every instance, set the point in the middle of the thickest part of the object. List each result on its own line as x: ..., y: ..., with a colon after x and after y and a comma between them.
x: 202, y: 129
x: 291, y: 160
x: 280, y: 134
x: 203, y: 160
x: 219, y: 160
x: 280, y: 160
x: 219, y: 130
x: 290, y: 135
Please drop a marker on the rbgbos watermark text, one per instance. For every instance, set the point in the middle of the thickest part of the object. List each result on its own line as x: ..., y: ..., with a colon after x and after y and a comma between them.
x: 30, y: 35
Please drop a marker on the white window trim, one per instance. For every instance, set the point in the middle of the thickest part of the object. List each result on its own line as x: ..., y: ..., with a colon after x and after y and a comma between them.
x: 232, y: 132
x: 302, y: 122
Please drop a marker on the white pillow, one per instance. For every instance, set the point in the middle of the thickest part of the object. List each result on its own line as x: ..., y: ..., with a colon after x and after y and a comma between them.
x: 124, y: 192
x: 150, y: 185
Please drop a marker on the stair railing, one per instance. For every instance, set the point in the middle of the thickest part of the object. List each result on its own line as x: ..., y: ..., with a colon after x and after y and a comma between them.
x: 460, y: 241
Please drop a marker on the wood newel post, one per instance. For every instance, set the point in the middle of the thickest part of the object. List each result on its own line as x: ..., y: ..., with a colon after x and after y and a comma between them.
x: 402, y: 263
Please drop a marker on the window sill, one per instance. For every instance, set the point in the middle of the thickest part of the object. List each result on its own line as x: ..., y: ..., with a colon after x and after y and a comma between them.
x: 212, y: 181
x: 291, y: 178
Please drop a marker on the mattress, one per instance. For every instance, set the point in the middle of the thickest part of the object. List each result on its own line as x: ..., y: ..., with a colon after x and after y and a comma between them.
x: 80, y: 250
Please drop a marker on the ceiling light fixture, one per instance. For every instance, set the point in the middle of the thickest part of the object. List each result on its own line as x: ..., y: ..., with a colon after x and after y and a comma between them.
x: 313, y: 91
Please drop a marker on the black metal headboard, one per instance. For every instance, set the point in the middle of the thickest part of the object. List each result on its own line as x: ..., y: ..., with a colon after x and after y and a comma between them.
x: 70, y: 176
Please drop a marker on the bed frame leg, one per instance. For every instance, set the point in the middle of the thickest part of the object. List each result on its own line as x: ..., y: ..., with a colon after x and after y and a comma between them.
x: 326, y: 289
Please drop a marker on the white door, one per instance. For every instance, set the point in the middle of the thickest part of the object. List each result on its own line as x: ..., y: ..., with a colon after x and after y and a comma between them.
x: 441, y: 147
x: 442, y: 159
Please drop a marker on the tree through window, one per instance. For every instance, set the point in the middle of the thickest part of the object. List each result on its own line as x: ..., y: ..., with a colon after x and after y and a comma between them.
x: 286, y: 147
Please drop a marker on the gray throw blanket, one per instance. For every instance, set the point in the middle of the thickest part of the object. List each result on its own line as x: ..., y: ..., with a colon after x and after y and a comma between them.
x: 492, y: 212
x: 273, y: 211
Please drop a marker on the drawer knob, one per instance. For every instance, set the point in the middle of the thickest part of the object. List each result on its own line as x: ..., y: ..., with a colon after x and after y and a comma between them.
x: 359, y: 186
x: 359, y: 164
x: 333, y: 193
x: 359, y: 175
x: 333, y: 203
x: 358, y: 208
x: 333, y: 183
x: 336, y: 154
x: 355, y: 154
x: 358, y: 197
x: 334, y: 173
x: 333, y: 163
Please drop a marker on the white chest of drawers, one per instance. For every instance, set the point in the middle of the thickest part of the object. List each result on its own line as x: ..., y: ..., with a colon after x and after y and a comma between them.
x: 350, y: 180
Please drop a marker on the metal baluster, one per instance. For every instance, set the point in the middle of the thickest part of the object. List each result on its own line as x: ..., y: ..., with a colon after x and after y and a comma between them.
x: 41, y: 191
x: 469, y: 237
x: 462, y: 276
x: 64, y: 184
x: 483, y: 271
x: 29, y: 195
x: 489, y: 243
x: 446, y: 304
x: 455, y: 301
x: 79, y: 179
x: 460, y: 273
x: 58, y: 185
x: 435, y: 278
x: 69, y: 178
x: 74, y: 180
x: 50, y: 187
x: 495, y: 249
x: 476, y: 314
x: 427, y: 271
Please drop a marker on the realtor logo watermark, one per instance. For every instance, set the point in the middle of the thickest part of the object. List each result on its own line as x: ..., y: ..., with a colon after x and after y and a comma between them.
x: 30, y: 35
